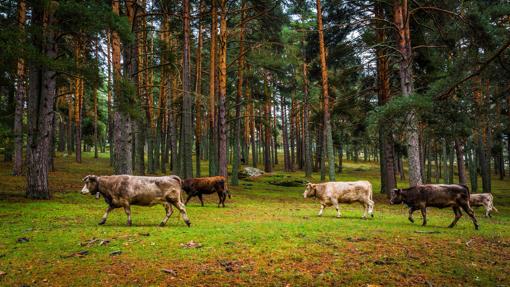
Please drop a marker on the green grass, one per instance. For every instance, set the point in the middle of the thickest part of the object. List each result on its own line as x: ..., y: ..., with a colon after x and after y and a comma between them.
x: 267, y: 235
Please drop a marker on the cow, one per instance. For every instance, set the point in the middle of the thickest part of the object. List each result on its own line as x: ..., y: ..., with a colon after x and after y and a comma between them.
x: 435, y: 195
x: 126, y: 190
x: 206, y: 185
x: 333, y: 193
x: 483, y: 199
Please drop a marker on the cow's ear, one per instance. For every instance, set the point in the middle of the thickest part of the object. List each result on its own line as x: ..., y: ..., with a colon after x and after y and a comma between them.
x: 91, y: 178
x: 396, y: 191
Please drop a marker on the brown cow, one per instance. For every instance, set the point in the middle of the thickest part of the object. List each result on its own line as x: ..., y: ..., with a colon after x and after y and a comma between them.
x: 435, y: 195
x: 126, y: 190
x: 206, y: 185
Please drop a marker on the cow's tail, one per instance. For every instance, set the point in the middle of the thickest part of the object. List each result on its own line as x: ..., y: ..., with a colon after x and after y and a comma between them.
x: 179, y: 180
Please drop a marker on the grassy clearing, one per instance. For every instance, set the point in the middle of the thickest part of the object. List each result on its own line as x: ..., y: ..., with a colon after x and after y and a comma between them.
x: 267, y: 235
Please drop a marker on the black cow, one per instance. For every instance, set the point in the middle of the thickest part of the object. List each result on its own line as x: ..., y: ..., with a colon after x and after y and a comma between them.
x: 435, y: 195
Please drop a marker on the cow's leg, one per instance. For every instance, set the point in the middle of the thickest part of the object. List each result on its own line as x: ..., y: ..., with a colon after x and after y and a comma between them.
x: 488, y: 209
x: 105, y: 216
x: 187, y: 199
x: 127, y: 209
x: 182, y: 209
x: 337, y: 207
x: 220, y: 198
x: 321, y: 210
x: 169, y: 210
x: 224, y: 194
x: 458, y: 215
x: 371, y: 208
x: 424, y: 216
x: 411, y: 210
x: 201, y: 199
x: 471, y: 214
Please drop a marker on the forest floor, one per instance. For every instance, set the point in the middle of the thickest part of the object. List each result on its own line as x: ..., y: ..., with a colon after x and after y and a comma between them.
x: 267, y: 235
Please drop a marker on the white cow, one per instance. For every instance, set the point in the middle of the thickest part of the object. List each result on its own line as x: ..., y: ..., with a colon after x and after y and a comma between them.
x: 483, y: 199
x: 333, y: 193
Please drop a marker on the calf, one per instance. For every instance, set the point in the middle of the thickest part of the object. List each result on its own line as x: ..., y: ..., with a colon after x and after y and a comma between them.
x: 126, y: 190
x: 206, y: 185
x: 485, y: 200
x: 333, y: 193
x: 435, y: 195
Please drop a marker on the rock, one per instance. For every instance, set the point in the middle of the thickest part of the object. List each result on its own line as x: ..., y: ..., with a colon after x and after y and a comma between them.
x: 249, y: 171
x: 22, y: 240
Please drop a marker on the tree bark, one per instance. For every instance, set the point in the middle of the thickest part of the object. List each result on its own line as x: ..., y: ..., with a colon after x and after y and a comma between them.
x: 41, y: 102
x: 307, y: 145
x: 239, y: 94
x: 187, y: 100
x: 388, y: 182
x: 407, y: 87
x: 198, y: 91
x: 268, y: 167
x: 19, y: 98
x: 325, y: 94
x: 213, y: 152
x: 222, y: 125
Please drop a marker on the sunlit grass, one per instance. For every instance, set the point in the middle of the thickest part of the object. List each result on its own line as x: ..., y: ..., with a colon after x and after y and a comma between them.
x: 267, y: 235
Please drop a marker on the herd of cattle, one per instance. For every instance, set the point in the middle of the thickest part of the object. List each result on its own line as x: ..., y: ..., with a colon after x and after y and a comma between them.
x: 126, y: 190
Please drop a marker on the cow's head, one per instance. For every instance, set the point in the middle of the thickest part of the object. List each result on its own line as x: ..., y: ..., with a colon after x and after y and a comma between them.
x: 310, y: 190
x: 396, y: 196
x: 91, y: 185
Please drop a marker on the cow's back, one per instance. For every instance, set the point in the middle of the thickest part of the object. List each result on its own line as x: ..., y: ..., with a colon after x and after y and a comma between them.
x: 354, y: 191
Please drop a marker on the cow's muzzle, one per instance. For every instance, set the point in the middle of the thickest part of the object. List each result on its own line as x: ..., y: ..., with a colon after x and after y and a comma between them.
x: 85, y: 190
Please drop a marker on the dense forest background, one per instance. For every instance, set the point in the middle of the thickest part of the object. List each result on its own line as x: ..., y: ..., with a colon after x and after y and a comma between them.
x: 422, y: 87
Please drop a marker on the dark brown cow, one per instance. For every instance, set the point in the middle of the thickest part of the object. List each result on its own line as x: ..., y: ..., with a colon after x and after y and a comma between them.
x: 206, y: 185
x: 126, y: 190
x: 435, y: 195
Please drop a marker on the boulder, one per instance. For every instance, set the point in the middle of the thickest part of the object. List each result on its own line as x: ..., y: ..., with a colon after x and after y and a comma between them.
x: 250, y: 172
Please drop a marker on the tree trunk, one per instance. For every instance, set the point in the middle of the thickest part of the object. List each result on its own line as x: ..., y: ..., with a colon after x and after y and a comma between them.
x: 286, y: 152
x: 239, y: 94
x: 198, y: 91
x: 267, y: 124
x: 388, y: 182
x: 187, y: 100
x: 307, y: 145
x: 40, y: 103
x: 459, y: 150
x: 122, y: 122
x: 407, y: 87
x: 78, y: 101
x: 94, y: 95
x: 325, y: 94
x: 213, y: 152
x: 19, y: 98
x: 222, y: 124
x: 109, y: 97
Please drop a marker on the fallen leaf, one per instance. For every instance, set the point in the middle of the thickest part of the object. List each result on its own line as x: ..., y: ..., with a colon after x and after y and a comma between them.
x: 2, y: 273
x: 115, y: 253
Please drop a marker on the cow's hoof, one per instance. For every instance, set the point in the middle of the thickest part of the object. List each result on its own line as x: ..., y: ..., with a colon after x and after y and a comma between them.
x: 188, y: 223
x: 128, y: 223
x: 101, y: 222
x: 161, y: 224
x: 372, y: 215
x: 477, y: 227
x: 410, y: 219
x: 451, y: 226
x: 364, y: 217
